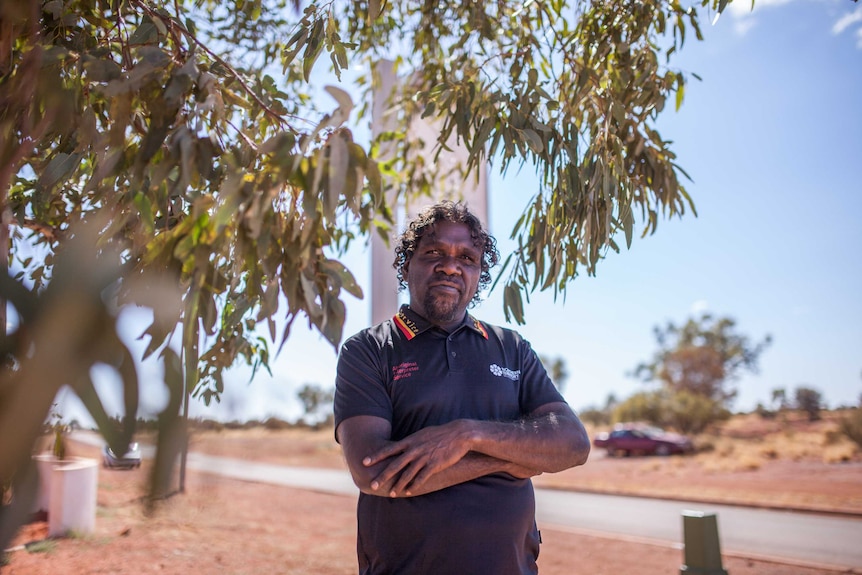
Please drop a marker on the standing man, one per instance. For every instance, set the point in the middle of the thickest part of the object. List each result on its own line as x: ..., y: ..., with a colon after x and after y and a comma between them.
x: 443, y: 419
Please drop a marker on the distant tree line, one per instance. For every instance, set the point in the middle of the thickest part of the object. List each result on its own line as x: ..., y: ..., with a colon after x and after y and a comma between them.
x: 695, y: 366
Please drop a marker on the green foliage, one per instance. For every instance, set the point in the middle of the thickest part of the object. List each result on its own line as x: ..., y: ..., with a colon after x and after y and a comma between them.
x: 276, y: 424
x: 573, y: 89
x: 702, y: 356
x: 682, y: 410
x: 851, y: 426
x: 43, y: 546
x: 205, y: 179
x: 315, y: 400
x: 779, y: 398
x: 810, y: 401
x: 557, y: 370
x: 643, y: 406
x: 196, y: 142
x: 595, y: 416
x: 59, y: 449
x: 58, y: 430
x: 239, y: 186
x: 763, y: 412
x: 691, y: 412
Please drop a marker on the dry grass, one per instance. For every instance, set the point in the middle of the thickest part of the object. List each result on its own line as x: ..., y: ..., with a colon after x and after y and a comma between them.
x: 743, y: 443
x: 747, y: 441
x: 741, y: 461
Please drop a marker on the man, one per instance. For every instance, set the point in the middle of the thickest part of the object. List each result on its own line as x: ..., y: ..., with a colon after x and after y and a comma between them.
x: 443, y: 419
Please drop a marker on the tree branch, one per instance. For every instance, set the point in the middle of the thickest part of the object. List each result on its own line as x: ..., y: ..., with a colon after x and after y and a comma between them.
x: 246, y: 88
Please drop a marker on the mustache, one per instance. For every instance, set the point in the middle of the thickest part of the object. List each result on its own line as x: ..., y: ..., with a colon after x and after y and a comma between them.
x: 444, y: 277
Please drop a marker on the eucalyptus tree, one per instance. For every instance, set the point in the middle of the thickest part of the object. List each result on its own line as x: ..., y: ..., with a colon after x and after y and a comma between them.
x: 211, y: 146
x: 702, y: 357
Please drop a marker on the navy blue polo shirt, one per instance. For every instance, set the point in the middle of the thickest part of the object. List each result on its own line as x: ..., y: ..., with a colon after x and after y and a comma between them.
x: 414, y: 375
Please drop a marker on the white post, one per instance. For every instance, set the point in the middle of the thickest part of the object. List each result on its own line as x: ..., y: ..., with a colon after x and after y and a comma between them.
x: 72, y: 506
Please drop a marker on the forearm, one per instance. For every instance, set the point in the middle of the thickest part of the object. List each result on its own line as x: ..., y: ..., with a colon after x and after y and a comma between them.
x: 471, y: 466
x: 547, y: 442
x: 550, y: 440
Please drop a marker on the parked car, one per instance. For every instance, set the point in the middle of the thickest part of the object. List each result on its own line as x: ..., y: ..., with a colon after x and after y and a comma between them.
x: 129, y: 460
x: 628, y: 439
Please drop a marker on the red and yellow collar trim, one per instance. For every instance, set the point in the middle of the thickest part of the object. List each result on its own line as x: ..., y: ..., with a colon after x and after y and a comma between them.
x: 411, y: 328
x: 406, y: 325
x: 479, y: 327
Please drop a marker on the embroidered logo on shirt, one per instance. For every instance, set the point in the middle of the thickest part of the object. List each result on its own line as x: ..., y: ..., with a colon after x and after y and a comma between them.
x: 505, y: 372
x: 403, y: 370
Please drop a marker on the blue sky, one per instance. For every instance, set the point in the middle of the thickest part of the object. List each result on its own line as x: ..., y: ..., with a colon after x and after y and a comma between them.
x: 772, y: 138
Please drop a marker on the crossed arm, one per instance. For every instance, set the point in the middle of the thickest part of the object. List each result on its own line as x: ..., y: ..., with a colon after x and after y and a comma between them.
x: 550, y: 439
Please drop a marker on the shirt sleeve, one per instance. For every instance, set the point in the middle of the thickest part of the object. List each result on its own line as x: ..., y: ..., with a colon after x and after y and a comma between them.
x: 537, y: 389
x: 360, y: 384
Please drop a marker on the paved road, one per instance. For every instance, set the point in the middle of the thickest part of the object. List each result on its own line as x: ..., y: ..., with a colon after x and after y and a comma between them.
x: 804, y: 538
x: 799, y: 538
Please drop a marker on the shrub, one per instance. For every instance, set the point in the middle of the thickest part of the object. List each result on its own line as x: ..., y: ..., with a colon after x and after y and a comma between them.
x: 838, y: 453
x: 763, y: 412
x: 276, y: 424
x: 833, y: 437
x: 644, y: 406
x: 684, y: 411
x: 851, y: 426
x: 691, y: 412
x: 810, y: 401
x: 769, y: 452
x: 595, y: 416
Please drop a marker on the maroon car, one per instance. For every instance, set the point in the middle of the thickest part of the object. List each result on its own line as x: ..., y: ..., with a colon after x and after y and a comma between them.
x: 642, y: 439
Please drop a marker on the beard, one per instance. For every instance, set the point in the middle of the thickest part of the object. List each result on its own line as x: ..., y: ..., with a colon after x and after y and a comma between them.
x: 442, y: 310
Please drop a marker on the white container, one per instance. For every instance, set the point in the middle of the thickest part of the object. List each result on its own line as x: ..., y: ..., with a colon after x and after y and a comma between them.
x: 45, y: 462
x: 73, y: 486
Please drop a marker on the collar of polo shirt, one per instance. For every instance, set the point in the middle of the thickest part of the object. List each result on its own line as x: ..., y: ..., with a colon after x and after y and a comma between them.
x: 412, y: 324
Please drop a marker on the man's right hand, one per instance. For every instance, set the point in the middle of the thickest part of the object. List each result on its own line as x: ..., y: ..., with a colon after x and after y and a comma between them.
x: 365, y: 442
x: 416, y: 458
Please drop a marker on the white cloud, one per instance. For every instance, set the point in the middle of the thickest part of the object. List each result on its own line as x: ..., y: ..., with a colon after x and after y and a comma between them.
x: 742, y: 12
x: 699, y: 307
x: 743, y: 8
x: 846, y: 21
x: 744, y: 16
x: 742, y: 25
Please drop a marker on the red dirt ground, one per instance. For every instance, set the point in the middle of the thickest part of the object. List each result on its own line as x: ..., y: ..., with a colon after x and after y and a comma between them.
x: 229, y: 526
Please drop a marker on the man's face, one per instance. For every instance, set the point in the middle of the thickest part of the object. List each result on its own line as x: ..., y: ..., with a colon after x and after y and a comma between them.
x: 443, y: 274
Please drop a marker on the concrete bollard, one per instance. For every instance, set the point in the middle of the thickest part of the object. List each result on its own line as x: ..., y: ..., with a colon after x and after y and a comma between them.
x: 701, y: 548
x: 72, y: 505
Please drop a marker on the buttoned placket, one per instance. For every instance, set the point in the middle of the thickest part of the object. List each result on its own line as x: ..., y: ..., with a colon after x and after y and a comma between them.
x: 454, y: 357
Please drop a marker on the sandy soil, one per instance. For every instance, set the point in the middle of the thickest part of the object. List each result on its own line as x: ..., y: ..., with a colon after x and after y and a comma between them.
x: 228, y: 526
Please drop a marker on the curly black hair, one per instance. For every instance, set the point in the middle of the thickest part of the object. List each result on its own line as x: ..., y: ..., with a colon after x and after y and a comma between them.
x: 449, y: 211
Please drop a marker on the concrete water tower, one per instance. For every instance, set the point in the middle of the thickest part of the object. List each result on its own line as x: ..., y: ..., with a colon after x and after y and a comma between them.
x: 447, y: 174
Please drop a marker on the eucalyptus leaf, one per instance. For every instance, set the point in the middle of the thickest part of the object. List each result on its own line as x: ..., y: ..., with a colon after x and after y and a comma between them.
x: 145, y: 33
